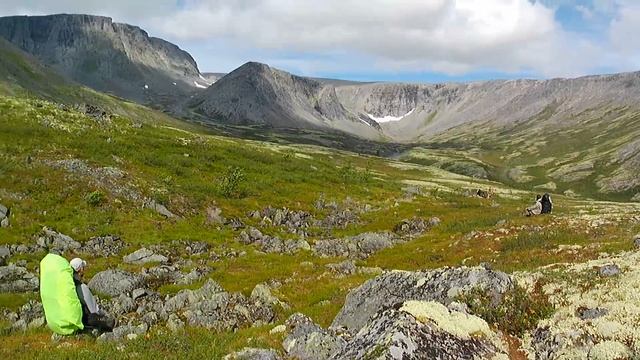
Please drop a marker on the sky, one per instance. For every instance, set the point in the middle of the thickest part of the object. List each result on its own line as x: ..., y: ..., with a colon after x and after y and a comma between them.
x: 385, y: 40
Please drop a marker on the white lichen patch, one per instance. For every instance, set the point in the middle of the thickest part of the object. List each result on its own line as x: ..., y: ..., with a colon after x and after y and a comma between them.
x: 456, y: 323
x: 610, y: 350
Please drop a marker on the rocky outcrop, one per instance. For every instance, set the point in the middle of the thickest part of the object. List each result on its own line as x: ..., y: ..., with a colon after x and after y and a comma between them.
x: 17, y: 279
x: 272, y: 244
x: 403, y: 315
x: 104, y: 246
x: 394, y: 287
x: 52, y: 240
x: 144, y: 256
x: 424, y: 330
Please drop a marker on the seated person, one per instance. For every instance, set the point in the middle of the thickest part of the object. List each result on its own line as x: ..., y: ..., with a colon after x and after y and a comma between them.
x: 547, y: 204
x: 535, y: 209
x: 92, y: 316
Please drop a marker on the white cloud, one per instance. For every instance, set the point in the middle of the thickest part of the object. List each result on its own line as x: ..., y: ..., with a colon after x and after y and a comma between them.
x: 381, y: 36
x: 415, y: 35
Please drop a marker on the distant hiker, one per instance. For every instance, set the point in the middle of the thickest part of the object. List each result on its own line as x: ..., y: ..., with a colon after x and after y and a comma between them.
x: 92, y: 316
x: 547, y: 204
x: 535, y: 209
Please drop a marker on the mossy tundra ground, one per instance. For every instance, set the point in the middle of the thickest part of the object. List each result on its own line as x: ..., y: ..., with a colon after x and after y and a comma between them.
x: 182, y: 167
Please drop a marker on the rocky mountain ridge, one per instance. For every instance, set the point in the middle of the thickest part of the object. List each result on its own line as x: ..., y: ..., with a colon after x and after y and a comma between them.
x: 107, y: 56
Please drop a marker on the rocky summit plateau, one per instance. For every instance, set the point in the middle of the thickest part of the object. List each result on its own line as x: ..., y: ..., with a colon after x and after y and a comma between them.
x: 259, y: 214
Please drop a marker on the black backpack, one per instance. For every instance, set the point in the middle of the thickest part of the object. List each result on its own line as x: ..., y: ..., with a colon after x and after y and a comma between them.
x: 546, y: 204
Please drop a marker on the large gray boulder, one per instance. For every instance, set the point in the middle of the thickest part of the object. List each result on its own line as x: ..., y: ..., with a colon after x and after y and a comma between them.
x: 17, y: 279
x: 54, y: 241
x: 423, y: 330
x: 115, y: 282
x: 441, y: 285
x: 143, y: 256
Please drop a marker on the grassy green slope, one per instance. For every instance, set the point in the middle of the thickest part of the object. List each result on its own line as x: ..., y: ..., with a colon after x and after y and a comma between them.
x: 595, y: 153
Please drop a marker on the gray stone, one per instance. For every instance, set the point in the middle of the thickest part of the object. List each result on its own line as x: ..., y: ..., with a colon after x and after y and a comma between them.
x: 262, y: 294
x: 5, y: 253
x: 214, y: 216
x: 174, y: 323
x: 17, y: 279
x: 123, y: 304
x: 415, y: 226
x: 253, y: 354
x: 150, y: 318
x: 115, y: 282
x: 159, y: 208
x: 394, y: 287
x: 347, y: 267
x: 307, y: 340
x: 54, y: 241
x: 636, y: 241
x: 590, y: 314
x: 138, y: 293
x: 123, y: 332
x: 4, y: 216
x: 609, y: 270
x: 144, y: 256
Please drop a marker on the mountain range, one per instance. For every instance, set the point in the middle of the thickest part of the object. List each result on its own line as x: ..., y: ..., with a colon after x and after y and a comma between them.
x: 569, y: 135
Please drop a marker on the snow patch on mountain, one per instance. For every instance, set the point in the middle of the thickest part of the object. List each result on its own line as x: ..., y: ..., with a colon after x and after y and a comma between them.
x: 389, y: 118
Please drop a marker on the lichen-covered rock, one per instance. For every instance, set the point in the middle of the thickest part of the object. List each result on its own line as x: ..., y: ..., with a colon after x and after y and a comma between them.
x: 272, y: 244
x: 109, y: 245
x: 254, y: 354
x: 424, y: 330
x: 54, y: 241
x: 356, y: 247
x: 29, y: 316
x: 440, y: 285
x: 347, y: 267
x: 213, y: 308
x: 144, y: 256
x: 307, y: 340
x: 115, y: 282
x: 17, y: 279
x: 415, y: 226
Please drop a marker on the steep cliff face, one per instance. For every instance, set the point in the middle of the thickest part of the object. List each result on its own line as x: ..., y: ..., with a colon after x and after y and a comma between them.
x: 258, y: 94
x: 107, y: 56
